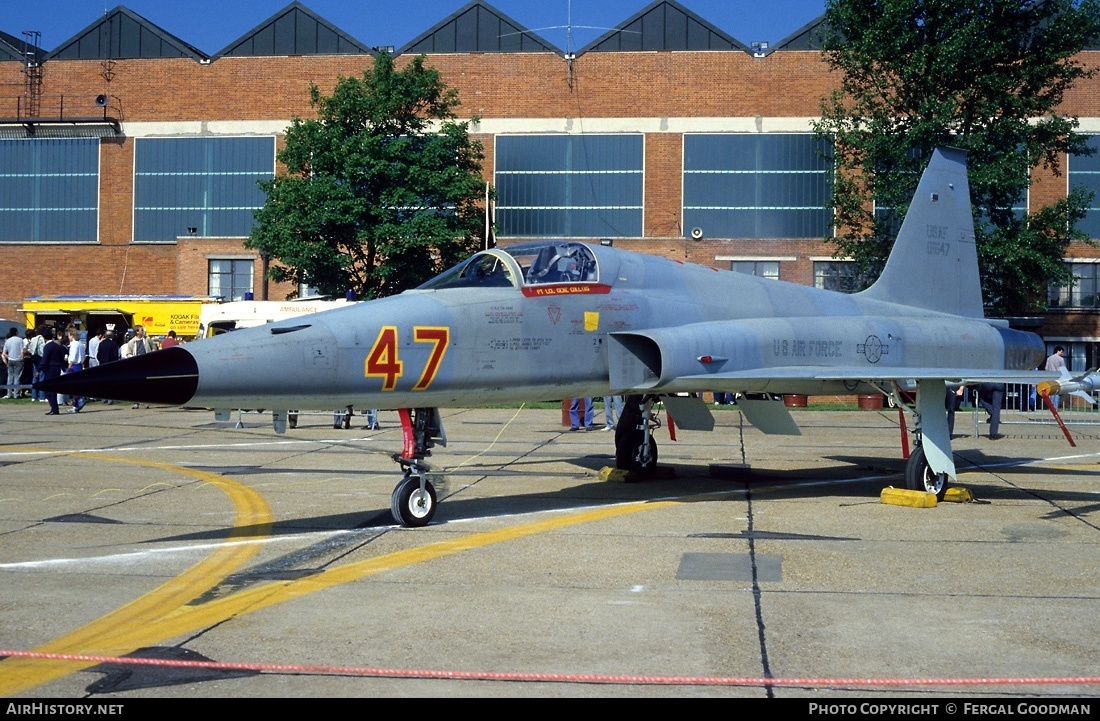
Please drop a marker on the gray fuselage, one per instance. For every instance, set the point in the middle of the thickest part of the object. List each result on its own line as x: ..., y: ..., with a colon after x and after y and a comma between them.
x: 471, y: 344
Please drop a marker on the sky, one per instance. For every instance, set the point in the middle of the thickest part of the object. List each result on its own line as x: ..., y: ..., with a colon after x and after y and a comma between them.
x: 211, y: 25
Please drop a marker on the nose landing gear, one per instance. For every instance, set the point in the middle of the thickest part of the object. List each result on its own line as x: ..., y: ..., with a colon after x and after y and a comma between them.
x: 413, y: 501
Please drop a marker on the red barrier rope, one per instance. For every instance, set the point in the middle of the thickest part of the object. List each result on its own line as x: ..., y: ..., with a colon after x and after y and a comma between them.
x: 628, y: 680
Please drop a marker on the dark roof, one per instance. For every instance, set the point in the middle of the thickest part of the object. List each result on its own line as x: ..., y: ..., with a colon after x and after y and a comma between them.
x: 121, y: 33
x: 810, y: 36
x: 13, y: 48
x: 294, y: 30
x: 664, y: 25
x: 479, y: 28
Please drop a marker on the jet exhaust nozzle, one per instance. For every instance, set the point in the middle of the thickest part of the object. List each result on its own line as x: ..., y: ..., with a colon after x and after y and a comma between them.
x: 169, y: 376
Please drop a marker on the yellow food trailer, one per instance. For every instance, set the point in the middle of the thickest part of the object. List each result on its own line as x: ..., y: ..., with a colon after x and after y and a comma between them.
x: 157, y: 313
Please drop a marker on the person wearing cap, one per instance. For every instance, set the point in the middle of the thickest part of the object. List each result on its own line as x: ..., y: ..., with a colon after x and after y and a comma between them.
x: 107, y: 350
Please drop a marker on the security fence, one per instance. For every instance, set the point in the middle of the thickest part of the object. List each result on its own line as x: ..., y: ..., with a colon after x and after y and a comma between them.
x: 1023, y: 405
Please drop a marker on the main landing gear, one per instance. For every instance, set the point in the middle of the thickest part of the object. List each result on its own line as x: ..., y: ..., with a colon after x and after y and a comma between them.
x: 413, y: 501
x: 635, y: 447
x: 919, y: 476
x: 933, y: 441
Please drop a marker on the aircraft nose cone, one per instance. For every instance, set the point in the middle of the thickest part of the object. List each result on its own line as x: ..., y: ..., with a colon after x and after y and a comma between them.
x: 168, y: 376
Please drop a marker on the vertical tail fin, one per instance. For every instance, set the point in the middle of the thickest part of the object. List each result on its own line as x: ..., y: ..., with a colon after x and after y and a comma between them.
x: 934, y: 262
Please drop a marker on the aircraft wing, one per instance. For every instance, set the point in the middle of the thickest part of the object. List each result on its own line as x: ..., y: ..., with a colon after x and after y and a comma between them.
x: 773, y: 418
x: 734, y: 380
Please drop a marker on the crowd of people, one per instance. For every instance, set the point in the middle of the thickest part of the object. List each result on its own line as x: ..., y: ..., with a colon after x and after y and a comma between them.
x: 49, y: 351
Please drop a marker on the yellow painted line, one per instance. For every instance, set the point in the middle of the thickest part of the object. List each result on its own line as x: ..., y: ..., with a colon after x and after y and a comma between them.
x: 145, y: 629
x: 270, y: 594
x: 129, y: 627
x: 163, y: 613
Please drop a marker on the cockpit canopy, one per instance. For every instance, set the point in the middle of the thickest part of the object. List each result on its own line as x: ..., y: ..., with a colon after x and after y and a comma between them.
x: 558, y: 261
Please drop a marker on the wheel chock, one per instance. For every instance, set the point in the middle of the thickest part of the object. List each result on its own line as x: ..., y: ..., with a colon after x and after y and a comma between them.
x: 958, y: 494
x: 609, y: 473
x: 906, y: 497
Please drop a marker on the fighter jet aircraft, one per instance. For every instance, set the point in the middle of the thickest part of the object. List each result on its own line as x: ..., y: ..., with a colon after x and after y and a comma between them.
x: 564, y: 319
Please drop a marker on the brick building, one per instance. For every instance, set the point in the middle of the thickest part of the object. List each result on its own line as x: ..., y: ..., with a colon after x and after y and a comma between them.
x: 129, y: 159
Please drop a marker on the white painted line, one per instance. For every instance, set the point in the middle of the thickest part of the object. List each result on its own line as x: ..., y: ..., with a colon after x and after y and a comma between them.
x: 202, y: 446
x: 129, y: 558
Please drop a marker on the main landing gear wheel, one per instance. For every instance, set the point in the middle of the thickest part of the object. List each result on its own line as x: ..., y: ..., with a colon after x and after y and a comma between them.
x: 919, y: 475
x: 635, y: 448
x: 632, y: 456
x: 412, y: 505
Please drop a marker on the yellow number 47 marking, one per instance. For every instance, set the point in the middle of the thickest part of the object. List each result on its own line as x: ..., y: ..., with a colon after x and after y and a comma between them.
x: 440, y: 337
x: 383, y: 361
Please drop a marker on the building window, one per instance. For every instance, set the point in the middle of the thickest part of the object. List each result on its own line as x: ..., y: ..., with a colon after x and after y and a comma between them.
x: 757, y: 186
x: 231, y: 279
x: 842, y: 276
x: 1082, y: 294
x: 569, y: 186
x: 205, y: 186
x: 49, y: 190
x: 761, y: 268
x: 1084, y: 170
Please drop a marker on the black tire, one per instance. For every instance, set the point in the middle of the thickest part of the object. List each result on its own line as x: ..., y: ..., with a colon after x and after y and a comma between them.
x: 628, y: 452
x: 919, y: 476
x: 409, y: 506
x: 628, y: 439
x: 648, y: 466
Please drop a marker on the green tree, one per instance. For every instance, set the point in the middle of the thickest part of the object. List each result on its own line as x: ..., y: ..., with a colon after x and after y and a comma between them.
x: 984, y: 75
x: 381, y: 189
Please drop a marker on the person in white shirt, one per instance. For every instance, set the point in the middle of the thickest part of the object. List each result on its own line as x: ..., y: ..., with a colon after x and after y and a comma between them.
x: 1056, y: 363
x: 13, y: 358
x: 34, y: 357
x: 93, y: 348
x: 77, y: 356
